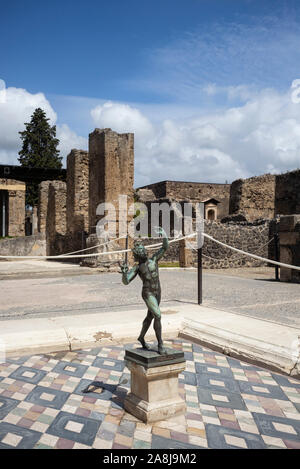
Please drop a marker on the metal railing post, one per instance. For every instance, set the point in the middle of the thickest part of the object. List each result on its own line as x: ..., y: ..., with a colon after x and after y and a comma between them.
x: 199, y: 264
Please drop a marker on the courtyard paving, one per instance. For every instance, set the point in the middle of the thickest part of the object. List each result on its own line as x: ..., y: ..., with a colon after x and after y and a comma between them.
x: 230, y: 404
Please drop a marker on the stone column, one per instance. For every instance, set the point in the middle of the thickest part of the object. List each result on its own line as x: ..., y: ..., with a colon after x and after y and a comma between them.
x: 43, y: 205
x: 56, y: 218
x: 77, y: 198
x: 289, y: 238
x: 111, y: 174
x: 34, y: 220
x: 15, y: 206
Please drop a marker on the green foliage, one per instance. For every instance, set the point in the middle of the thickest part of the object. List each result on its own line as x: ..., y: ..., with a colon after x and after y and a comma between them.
x: 39, y: 149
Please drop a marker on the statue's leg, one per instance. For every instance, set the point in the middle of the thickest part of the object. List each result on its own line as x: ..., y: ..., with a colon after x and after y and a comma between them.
x: 153, y: 306
x: 146, y: 324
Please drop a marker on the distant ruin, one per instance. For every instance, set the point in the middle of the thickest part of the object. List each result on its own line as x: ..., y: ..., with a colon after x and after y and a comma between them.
x: 245, y: 213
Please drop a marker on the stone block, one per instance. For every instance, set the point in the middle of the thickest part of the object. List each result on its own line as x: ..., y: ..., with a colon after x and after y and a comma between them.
x: 287, y: 238
x: 288, y: 222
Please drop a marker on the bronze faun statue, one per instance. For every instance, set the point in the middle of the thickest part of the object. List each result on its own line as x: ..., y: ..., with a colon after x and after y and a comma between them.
x: 147, y: 269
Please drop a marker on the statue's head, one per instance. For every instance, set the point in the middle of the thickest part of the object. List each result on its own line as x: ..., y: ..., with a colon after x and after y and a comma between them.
x: 139, y: 251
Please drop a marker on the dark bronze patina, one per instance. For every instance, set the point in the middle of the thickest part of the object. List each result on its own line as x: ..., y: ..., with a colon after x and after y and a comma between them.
x: 147, y: 269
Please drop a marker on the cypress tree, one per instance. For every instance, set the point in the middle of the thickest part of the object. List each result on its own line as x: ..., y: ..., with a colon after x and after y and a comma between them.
x: 39, y: 149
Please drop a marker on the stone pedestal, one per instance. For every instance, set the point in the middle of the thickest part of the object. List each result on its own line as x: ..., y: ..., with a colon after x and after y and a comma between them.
x: 154, y: 392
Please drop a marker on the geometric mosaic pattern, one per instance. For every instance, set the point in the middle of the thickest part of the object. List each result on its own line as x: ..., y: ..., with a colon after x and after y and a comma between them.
x: 230, y: 404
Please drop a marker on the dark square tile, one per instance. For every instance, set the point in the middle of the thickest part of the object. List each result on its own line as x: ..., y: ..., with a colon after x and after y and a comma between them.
x: 34, y: 376
x: 190, y: 378
x: 227, y: 399
x: 197, y: 348
x: 284, y: 381
x: 159, y: 442
x: 29, y: 437
x: 288, y: 429
x: 36, y: 397
x: 85, y: 432
x: 77, y: 370
x: 230, y: 384
x: 188, y: 356
x: 275, y: 392
x: 107, y: 390
x: 7, y: 405
x: 235, y: 363
x: 215, y: 435
x: 213, y: 370
x: 102, y: 362
x: 19, y: 360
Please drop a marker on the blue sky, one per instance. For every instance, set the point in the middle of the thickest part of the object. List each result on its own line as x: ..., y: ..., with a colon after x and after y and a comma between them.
x: 204, y: 84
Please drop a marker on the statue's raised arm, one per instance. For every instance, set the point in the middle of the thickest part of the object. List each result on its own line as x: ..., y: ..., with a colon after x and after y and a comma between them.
x: 128, y: 275
x: 159, y: 254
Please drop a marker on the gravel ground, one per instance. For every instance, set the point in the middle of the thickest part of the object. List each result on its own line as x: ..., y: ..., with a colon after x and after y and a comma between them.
x: 249, y: 291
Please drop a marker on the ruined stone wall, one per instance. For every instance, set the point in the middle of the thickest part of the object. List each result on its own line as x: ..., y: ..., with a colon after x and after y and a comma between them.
x: 111, y: 169
x: 16, y: 206
x: 289, y: 235
x: 189, y: 191
x: 56, y: 225
x: 254, y: 197
x: 77, y: 197
x: 111, y: 174
x: 43, y: 205
x: 250, y: 237
x: 287, y: 193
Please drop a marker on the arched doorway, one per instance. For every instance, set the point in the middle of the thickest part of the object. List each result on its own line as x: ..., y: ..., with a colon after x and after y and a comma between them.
x: 211, y: 214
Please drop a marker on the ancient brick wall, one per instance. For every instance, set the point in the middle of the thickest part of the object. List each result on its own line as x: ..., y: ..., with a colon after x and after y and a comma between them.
x: 111, y: 174
x: 43, y: 205
x: 289, y: 235
x: 77, y: 197
x: 254, y: 197
x: 189, y: 191
x: 15, y: 206
x: 287, y: 193
x: 111, y: 169
x: 250, y: 237
x: 56, y: 225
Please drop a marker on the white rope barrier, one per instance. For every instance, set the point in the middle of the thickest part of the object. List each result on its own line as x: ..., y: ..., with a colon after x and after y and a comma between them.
x: 92, y: 247
x: 254, y: 256
x: 67, y: 256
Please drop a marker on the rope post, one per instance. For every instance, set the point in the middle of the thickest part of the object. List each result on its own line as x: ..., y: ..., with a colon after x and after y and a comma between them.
x: 199, y: 264
x: 276, y: 241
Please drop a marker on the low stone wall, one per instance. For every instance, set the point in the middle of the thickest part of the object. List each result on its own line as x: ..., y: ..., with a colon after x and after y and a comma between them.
x: 250, y: 237
x: 24, y: 246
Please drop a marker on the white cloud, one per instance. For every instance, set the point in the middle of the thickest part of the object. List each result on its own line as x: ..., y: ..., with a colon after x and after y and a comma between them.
x: 69, y: 140
x: 122, y: 118
x: 15, y: 110
x: 262, y: 135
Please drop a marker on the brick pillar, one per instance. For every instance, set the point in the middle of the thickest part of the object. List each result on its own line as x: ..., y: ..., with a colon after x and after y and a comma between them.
x: 289, y: 237
x: 43, y: 205
x: 111, y: 169
x: 77, y: 197
x: 111, y: 173
x: 56, y: 218
x: 16, y: 216
x: 15, y: 209
x: 35, y: 220
x: 185, y: 254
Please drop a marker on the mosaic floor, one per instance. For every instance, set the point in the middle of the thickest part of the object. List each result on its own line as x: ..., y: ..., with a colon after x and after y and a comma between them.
x: 230, y: 404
